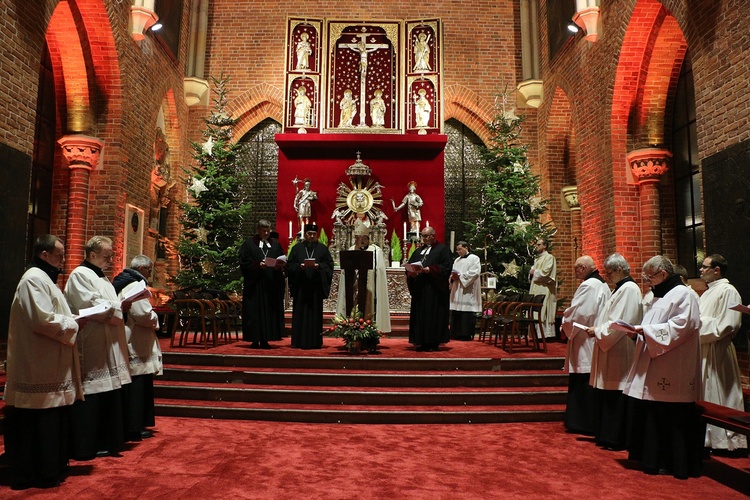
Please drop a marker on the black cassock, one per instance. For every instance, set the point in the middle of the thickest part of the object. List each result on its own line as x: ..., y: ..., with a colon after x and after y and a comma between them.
x: 430, y: 296
x: 309, y: 287
x: 262, y: 291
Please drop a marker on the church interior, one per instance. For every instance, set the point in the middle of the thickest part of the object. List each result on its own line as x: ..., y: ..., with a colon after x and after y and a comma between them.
x: 636, y: 118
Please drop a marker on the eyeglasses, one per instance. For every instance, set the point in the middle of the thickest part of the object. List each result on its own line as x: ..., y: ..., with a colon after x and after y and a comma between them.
x: 703, y: 266
x: 648, y: 277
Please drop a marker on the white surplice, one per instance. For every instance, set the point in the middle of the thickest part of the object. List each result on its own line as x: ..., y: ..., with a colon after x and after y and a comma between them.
x: 544, y: 282
x: 42, y: 364
x: 613, y: 349
x: 102, y: 344
x: 466, y: 291
x: 666, y: 361
x: 719, y: 368
x: 377, y: 291
x: 586, y: 308
x: 140, y: 330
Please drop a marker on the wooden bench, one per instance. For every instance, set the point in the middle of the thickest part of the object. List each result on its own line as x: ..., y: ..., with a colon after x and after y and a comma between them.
x: 727, y: 418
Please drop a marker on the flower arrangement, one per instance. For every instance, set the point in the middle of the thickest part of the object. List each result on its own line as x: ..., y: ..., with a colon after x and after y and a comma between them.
x: 357, y: 332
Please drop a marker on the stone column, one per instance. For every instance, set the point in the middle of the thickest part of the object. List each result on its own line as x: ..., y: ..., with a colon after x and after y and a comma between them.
x: 570, y: 195
x: 647, y: 166
x: 81, y: 152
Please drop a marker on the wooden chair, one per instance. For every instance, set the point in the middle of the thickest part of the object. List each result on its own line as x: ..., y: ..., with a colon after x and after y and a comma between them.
x: 189, y: 317
x: 485, y: 321
x: 503, y: 316
x: 527, y: 324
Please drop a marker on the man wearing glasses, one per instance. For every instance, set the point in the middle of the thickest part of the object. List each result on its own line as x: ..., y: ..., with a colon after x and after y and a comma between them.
x: 543, y: 278
x: 663, y: 382
x: 719, y: 368
x: 427, y: 279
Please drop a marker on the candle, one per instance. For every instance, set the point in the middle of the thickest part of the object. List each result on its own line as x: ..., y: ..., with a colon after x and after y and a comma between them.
x: 290, y: 230
x: 427, y: 223
x: 404, y: 231
x: 453, y: 240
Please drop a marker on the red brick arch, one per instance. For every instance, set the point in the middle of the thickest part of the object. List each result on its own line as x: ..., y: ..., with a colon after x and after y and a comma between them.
x: 255, y: 105
x: 466, y: 106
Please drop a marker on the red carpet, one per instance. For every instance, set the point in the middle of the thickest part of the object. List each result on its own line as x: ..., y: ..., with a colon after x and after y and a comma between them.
x: 194, y: 458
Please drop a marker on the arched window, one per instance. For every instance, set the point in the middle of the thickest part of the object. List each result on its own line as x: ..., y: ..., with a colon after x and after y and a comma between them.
x: 259, y: 169
x: 687, y: 176
x: 463, y: 162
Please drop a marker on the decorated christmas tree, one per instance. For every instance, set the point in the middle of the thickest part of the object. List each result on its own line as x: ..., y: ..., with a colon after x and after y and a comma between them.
x: 509, y: 205
x: 213, y: 214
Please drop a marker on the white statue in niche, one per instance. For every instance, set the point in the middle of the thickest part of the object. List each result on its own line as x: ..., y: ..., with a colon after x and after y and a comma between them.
x: 377, y: 109
x: 348, y: 107
x: 304, y: 51
x: 422, y: 109
x: 422, y: 52
x: 302, y: 107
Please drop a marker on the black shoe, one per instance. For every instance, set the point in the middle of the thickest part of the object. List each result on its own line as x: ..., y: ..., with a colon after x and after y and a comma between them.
x: 134, y: 436
x: 255, y: 345
x: 102, y: 453
x: 48, y: 483
x: 21, y: 485
x: 145, y: 434
x: 264, y: 345
x: 421, y: 348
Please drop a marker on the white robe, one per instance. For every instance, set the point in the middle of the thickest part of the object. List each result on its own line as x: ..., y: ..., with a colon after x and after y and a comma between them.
x: 143, y: 346
x: 719, y: 368
x: 666, y: 362
x: 42, y: 364
x: 613, y: 349
x: 543, y: 282
x: 586, y: 308
x: 466, y: 291
x: 377, y: 288
x: 102, y: 344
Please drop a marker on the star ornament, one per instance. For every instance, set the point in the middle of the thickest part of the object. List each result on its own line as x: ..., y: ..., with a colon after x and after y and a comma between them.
x: 520, y: 225
x: 535, y: 202
x: 511, y: 268
x: 197, y: 187
x: 208, y: 146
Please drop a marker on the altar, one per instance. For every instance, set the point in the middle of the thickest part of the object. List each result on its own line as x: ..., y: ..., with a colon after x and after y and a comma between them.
x: 399, y: 299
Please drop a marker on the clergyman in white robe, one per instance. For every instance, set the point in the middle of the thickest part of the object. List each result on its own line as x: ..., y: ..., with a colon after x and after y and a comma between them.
x: 720, y: 371
x: 543, y: 278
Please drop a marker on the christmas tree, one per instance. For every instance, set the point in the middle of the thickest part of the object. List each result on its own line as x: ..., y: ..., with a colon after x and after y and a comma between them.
x: 213, y: 215
x: 509, y: 205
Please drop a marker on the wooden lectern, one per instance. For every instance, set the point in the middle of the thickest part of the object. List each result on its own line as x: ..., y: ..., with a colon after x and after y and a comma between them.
x: 356, y: 263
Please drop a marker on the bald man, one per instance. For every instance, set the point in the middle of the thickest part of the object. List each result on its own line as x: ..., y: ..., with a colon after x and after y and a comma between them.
x: 585, y: 309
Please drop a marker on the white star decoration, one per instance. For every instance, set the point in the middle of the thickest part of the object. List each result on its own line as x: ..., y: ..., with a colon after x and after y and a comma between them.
x: 520, y: 225
x: 535, y: 202
x: 197, y: 187
x: 208, y: 146
x: 511, y: 268
x: 518, y: 168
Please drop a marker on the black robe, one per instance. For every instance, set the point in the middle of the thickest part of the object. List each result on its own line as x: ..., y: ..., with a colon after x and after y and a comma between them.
x: 262, y: 292
x: 430, y: 297
x: 309, y: 287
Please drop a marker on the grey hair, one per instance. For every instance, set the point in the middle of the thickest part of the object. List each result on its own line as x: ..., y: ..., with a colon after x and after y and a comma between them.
x: 264, y: 223
x: 617, y: 262
x: 659, y: 263
x: 140, y: 261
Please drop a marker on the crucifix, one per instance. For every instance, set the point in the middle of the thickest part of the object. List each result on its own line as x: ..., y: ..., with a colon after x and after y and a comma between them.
x: 359, y: 44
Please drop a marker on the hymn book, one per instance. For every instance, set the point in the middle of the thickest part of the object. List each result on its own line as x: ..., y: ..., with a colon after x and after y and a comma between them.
x: 741, y: 308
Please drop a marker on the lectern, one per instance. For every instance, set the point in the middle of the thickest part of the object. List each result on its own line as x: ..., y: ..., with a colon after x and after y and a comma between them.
x: 355, y: 264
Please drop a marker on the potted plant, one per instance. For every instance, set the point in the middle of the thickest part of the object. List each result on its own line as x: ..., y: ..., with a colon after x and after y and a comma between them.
x: 358, y: 333
x: 395, y: 250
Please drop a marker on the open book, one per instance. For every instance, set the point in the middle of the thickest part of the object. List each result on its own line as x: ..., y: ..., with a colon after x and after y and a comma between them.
x: 100, y: 308
x: 740, y: 308
x: 137, y: 292
x: 414, y: 267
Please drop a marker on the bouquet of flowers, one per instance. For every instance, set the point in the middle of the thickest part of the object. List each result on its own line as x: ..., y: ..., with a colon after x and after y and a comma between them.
x: 358, y: 333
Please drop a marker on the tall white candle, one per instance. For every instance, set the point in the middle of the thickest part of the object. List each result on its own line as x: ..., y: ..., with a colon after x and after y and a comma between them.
x: 290, y: 230
x: 404, y: 231
x: 453, y: 240
x: 427, y: 223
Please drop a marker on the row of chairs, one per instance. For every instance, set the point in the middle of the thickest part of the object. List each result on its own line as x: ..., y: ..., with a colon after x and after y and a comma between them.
x: 207, y: 316
x: 514, y: 321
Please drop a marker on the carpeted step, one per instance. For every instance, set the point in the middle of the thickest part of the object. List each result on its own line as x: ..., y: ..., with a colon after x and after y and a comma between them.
x: 343, y: 396
x: 360, y: 415
x: 367, y: 379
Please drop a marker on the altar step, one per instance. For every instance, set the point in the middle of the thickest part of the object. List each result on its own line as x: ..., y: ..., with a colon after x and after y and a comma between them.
x: 399, y: 324
x: 361, y: 390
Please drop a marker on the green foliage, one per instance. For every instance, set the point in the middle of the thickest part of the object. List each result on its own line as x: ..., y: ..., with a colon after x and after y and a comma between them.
x: 509, y: 205
x: 396, y: 252
x: 291, y: 245
x: 412, y: 247
x: 212, y: 218
x: 323, y: 237
x: 355, y: 329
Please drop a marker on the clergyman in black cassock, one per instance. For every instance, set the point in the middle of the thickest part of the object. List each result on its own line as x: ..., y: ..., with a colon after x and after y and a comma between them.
x: 309, y: 285
x: 263, y: 288
x: 430, y: 293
